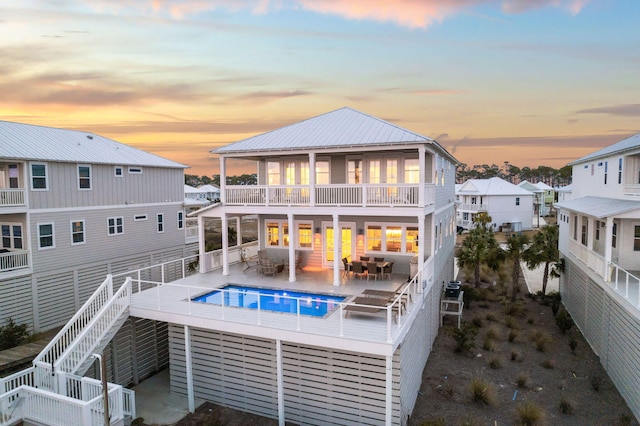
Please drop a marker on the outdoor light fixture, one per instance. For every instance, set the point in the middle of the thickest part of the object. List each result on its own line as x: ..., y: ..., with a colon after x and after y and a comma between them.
x: 317, y: 230
x: 360, y: 231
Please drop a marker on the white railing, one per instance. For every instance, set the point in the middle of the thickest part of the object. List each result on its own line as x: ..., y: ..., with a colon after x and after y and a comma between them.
x: 76, y: 324
x: 82, y: 404
x: 589, y: 257
x: 473, y: 207
x: 11, y: 197
x: 168, y: 271
x: 330, y: 195
x: 625, y: 284
x: 21, y: 378
x: 15, y: 259
x: 86, y: 342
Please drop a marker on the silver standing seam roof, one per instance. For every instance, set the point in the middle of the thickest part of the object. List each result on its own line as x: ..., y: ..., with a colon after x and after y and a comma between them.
x: 32, y: 142
x: 599, y: 207
x: 344, y: 127
x: 627, y: 144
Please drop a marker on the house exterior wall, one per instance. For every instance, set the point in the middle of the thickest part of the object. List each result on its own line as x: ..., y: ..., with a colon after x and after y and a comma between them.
x: 589, y: 178
x: 610, y: 326
x: 503, y: 209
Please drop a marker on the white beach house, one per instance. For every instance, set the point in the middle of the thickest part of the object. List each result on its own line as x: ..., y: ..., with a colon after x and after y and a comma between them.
x: 600, y: 245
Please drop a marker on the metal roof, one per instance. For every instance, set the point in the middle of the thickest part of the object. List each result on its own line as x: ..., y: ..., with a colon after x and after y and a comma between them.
x: 31, y: 142
x: 631, y: 143
x: 491, y: 186
x: 599, y: 207
x: 344, y: 127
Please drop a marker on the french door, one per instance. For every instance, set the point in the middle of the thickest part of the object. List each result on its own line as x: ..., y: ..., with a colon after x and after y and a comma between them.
x: 345, y: 238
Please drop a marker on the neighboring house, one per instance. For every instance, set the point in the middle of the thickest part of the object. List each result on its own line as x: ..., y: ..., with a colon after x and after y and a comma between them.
x: 600, y: 246
x: 212, y: 192
x: 563, y: 193
x: 509, y: 206
x: 548, y: 197
x: 194, y: 200
x: 540, y: 207
x: 75, y: 206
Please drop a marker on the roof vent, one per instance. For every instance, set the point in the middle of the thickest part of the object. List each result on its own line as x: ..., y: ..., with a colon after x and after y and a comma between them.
x: 89, y: 137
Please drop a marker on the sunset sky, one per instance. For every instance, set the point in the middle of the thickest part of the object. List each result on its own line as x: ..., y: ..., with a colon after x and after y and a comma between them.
x: 532, y: 82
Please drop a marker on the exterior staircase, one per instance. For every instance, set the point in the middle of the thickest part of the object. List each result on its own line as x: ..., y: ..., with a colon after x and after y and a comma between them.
x: 53, y: 391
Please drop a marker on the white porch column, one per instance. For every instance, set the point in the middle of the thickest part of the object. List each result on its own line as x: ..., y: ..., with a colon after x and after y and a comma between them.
x: 292, y: 248
x: 201, y: 246
x: 225, y: 245
x: 421, y: 245
x: 608, y: 249
x: 223, y: 181
x: 591, y: 229
x: 189, y: 368
x: 280, y: 382
x: 389, y: 390
x: 312, y: 178
x: 337, y: 248
x: 422, y: 177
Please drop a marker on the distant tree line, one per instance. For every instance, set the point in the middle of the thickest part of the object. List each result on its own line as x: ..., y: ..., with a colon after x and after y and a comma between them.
x: 510, y: 173
x: 196, y: 181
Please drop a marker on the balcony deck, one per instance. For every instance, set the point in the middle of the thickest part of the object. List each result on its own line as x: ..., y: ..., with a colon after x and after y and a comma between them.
x: 171, y: 302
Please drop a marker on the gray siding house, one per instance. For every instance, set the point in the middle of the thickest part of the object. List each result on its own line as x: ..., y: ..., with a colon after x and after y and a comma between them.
x: 75, y: 206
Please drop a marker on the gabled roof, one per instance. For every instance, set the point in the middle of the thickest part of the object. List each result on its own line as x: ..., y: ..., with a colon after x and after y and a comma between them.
x: 208, y: 188
x: 188, y: 189
x: 531, y: 187
x: 492, y: 186
x: 344, y: 127
x: 31, y: 142
x: 599, y: 207
x: 543, y: 186
x: 628, y: 144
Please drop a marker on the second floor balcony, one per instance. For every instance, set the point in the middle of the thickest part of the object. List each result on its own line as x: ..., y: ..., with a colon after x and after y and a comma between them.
x: 13, y: 260
x: 12, y: 197
x: 363, y: 195
x: 473, y: 207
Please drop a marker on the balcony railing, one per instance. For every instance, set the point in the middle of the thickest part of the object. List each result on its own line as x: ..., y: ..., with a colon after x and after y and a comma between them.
x: 15, y: 259
x: 473, y: 207
x: 589, y: 257
x: 365, y: 195
x: 11, y: 197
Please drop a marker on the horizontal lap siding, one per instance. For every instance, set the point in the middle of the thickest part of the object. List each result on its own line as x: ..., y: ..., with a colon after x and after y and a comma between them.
x: 611, y: 330
x: 55, y: 299
x: 89, y: 279
x: 230, y: 370
x: 16, y: 301
x: 323, y: 386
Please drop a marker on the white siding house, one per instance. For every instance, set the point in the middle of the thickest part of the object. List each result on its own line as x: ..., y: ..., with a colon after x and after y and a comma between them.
x: 600, y: 245
x: 74, y: 206
x: 509, y: 206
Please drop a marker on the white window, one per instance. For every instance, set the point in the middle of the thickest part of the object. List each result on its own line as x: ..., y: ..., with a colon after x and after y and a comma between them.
x: 354, y: 173
x: 322, y: 173
x: 77, y: 232
x: 115, y: 226
x: 11, y: 236
x: 135, y: 170
x: 84, y: 177
x: 118, y: 171
x: 277, y: 234
x: 517, y: 201
x: 614, y: 235
x: 396, y: 238
x: 273, y: 173
x: 39, y: 177
x: 411, y: 170
x: 45, y: 236
x: 180, y: 220
x: 636, y: 238
x: 160, y: 222
x: 139, y: 217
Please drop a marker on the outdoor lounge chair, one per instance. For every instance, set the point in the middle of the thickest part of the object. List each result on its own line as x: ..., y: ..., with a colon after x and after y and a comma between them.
x: 369, y: 306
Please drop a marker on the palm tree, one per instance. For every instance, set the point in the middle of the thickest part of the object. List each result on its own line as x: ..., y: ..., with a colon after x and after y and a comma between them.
x: 479, y: 247
x: 544, y: 250
x: 516, y: 246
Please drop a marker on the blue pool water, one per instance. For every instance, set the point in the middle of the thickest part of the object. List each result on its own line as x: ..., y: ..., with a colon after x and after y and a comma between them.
x: 316, y: 305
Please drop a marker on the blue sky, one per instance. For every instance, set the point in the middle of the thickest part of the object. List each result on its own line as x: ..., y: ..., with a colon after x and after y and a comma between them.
x: 530, y: 82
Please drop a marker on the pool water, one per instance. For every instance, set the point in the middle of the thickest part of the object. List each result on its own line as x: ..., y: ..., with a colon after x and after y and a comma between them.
x: 311, y: 304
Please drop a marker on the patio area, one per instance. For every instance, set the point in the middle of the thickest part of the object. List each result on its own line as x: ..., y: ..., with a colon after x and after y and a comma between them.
x: 173, y: 302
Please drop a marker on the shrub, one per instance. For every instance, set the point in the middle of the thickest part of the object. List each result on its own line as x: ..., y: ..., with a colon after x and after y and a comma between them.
x: 492, y: 333
x: 516, y: 355
x: 566, y: 406
x: 530, y: 414
x: 522, y: 380
x: 482, y: 391
x: 513, y: 335
x: 511, y: 323
x: 489, y: 345
x: 464, y: 337
x: 564, y: 321
x: 541, y: 340
x: 12, y: 334
x: 495, y: 362
x: 624, y: 420
x: 515, y: 310
x: 477, y: 322
x: 491, y: 317
x: 596, y: 382
x: 548, y: 364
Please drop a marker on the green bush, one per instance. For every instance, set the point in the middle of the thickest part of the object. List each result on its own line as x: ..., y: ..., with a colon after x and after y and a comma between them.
x: 12, y: 334
x: 464, y: 337
x: 564, y: 321
x: 530, y: 414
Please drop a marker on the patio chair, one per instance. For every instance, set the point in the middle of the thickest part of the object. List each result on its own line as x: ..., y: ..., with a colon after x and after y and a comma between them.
x: 372, y: 270
x: 387, y: 270
x: 347, y: 268
x: 378, y: 259
x: 357, y: 269
x: 364, y: 258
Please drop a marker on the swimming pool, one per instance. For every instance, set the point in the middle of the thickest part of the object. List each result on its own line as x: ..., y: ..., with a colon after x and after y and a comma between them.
x: 275, y: 300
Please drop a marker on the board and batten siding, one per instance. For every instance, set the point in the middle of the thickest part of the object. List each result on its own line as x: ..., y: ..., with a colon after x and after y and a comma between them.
x: 321, y: 386
x: 153, y: 185
x: 610, y: 327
